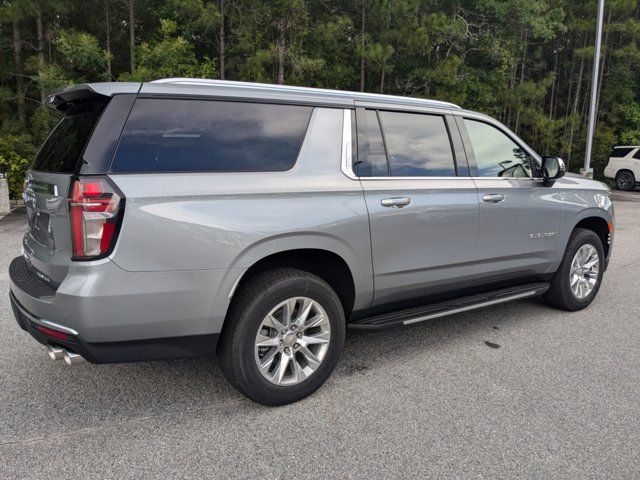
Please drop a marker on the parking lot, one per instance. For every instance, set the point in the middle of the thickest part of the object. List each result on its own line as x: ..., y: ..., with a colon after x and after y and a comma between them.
x: 513, y: 391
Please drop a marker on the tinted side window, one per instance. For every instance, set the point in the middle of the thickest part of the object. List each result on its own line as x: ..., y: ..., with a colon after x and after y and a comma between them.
x: 168, y: 135
x: 418, y: 145
x: 372, y: 158
x: 637, y: 155
x: 496, y: 154
x: 620, y: 152
x: 62, y: 150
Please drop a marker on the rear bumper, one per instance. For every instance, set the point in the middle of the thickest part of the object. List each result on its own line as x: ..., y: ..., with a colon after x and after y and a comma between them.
x: 609, y: 172
x: 114, y: 352
x: 112, y: 315
x: 107, y: 304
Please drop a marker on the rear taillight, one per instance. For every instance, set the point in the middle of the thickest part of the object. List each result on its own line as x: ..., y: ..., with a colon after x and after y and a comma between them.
x: 95, y: 209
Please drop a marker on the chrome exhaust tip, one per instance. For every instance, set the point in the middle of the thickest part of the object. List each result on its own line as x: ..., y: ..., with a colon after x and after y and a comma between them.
x: 72, y: 358
x: 55, y: 353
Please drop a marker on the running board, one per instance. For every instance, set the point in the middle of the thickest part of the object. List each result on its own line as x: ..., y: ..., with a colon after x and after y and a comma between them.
x: 436, y: 310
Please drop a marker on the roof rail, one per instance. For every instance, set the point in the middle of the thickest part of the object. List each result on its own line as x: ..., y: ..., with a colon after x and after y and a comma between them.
x: 295, y: 89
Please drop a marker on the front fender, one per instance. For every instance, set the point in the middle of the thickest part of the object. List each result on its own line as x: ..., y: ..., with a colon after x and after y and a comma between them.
x: 579, y: 206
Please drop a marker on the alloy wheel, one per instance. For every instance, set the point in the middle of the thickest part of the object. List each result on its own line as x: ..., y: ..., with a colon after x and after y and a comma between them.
x: 624, y: 181
x: 583, y: 275
x: 292, y: 341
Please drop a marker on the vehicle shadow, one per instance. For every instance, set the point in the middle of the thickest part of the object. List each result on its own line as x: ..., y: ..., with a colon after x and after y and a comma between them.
x: 365, y: 351
x: 69, y: 398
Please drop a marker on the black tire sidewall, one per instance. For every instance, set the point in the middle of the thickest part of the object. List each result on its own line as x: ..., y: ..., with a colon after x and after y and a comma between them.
x: 580, y: 238
x: 631, y: 181
x: 251, y: 381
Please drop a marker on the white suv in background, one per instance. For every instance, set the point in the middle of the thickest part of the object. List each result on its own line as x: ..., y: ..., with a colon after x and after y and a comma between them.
x: 624, y: 167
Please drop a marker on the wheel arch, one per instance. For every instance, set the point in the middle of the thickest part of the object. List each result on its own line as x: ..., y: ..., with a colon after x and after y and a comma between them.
x: 347, y: 269
x: 625, y: 170
x: 599, y: 226
x: 327, y: 265
x: 630, y: 171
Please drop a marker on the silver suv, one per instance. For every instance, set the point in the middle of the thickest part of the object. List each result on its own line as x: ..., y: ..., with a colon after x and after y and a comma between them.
x: 189, y: 217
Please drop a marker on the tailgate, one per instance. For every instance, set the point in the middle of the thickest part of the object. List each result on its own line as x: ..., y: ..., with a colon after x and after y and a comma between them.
x: 47, y: 243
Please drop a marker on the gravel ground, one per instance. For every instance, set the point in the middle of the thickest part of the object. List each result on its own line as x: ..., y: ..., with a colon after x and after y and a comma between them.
x: 555, y: 396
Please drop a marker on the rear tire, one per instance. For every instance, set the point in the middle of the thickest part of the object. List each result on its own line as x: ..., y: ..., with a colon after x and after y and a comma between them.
x: 568, y: 292
x: 625, y: 181
x: 281, y: 294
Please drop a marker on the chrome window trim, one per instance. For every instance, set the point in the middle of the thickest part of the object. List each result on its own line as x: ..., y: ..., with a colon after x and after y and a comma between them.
x: 520, y: 179
x: 347, y: 156
x: 347, y: 151
x: 457, y: 177
x: 347, y: 145
x: 454, y: 177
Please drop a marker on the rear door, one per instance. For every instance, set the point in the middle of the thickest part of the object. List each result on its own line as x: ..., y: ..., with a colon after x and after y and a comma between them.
x: 520, y: 218
x: 422, y: 204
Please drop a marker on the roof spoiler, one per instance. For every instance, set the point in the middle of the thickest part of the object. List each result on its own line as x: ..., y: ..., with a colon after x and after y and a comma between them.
x: 76, y: 94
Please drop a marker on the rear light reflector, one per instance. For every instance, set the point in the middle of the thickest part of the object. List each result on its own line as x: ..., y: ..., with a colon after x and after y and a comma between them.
x: 52, y: 333
x: 95, y: 210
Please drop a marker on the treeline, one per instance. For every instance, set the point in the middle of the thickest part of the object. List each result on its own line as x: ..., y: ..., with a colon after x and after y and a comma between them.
x: 526, y: 62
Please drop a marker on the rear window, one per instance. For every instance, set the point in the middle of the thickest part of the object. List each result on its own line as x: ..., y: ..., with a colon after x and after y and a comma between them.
x: 185, y: 135
x: 418, y: 145
x: 63, y: 148
x: 620, y: 152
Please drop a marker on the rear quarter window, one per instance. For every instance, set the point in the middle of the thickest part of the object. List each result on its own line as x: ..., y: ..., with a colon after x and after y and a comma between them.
x: 189, y: 135
x: 620, y: 152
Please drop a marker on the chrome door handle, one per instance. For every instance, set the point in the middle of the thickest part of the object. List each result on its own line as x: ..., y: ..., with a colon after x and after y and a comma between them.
x: 493, y: 198
x: 398, y: 202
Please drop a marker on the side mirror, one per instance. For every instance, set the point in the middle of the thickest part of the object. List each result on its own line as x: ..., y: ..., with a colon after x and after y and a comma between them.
x: 553, y: 168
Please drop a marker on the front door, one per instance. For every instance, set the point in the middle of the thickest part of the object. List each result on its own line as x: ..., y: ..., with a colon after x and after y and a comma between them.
x: 423, y: 216
x: 520, y: 218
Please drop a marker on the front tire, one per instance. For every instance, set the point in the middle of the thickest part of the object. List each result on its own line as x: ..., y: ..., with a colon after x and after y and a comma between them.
x: 625, y: 181
x: 283, y: 336
x: 577, y: 280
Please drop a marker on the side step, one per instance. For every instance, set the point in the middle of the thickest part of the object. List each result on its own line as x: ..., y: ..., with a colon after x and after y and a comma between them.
x: 442, y: 309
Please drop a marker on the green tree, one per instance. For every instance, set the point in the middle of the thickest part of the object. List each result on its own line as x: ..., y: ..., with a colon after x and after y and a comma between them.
x: 16, y: 152
x: 170, y: 56
x: 525, y: 62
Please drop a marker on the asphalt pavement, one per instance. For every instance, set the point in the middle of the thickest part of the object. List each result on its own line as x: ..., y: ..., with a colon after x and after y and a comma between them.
x: 512, y: 391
